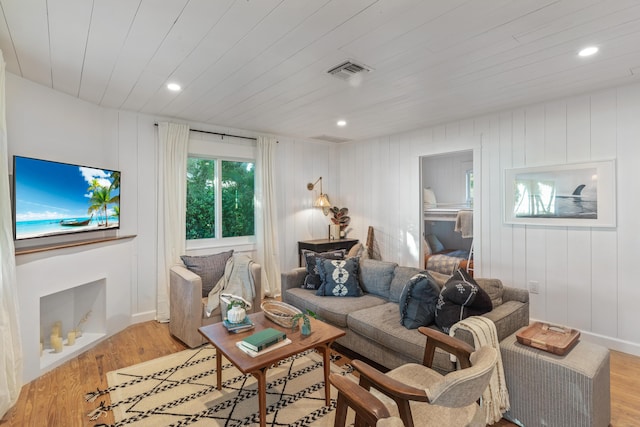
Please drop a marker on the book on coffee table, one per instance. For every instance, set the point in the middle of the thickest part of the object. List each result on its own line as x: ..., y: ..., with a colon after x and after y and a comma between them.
x: 263, y: 339
x: 245, y: 325
x: 252, y: 353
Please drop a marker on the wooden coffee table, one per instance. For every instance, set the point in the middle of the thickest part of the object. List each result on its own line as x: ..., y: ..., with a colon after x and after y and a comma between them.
x: 322, y: 336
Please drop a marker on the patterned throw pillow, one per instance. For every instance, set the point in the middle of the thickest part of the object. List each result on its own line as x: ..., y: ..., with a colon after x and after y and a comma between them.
x: 339, y: 277
x: 461, y: 297
x: 418, y: 301
x: 210, y: 268
x: 312, y: 279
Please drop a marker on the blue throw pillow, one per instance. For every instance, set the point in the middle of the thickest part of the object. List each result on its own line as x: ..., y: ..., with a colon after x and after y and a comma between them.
x: 339, y: 277
x: 418, y: 301
x: 312, y: 279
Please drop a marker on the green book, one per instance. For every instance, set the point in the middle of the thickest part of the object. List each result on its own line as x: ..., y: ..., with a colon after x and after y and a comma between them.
x: 263, y: 339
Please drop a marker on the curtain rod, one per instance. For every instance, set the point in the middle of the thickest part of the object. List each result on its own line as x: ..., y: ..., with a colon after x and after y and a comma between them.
x: 218, y: 133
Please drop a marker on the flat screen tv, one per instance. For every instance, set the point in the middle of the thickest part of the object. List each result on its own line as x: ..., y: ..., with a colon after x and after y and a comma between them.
x: 53, y: 198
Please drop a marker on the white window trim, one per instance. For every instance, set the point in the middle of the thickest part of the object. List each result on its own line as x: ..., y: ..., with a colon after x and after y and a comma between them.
x: 234, y: 149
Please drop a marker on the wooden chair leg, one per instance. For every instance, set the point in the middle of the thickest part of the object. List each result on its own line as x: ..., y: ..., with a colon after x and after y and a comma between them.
x: 367, y: 407
x: 341, y: 411
x: 405, y: 412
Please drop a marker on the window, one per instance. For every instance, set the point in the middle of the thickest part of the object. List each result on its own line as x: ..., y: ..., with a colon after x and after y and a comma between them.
x: 469, y: 186
x: 220, y: 194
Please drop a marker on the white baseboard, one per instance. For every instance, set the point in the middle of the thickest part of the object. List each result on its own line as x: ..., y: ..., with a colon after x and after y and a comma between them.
x: 608, y: 342
x: 612, y: 343
x: 143, y: 317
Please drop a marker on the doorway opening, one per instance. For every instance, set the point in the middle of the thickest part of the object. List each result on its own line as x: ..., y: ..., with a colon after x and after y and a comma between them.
x: 448, y: 183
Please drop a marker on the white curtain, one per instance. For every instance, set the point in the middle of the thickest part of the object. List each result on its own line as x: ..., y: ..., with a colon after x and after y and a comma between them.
x: 172, y: 172
x: 10, y: 343
x: 267, y: 217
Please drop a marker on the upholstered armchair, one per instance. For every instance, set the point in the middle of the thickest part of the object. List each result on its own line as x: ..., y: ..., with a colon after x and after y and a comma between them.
x: 188, y: 298
x: 414, y: 394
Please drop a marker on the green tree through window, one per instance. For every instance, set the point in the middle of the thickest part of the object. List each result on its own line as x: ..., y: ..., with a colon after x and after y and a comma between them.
x: 237, y: 199
x: 236, y: 181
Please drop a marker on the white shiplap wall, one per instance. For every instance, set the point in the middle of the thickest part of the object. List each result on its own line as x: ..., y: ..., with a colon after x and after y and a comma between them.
x: 47, y: 124
x: 586, y: 275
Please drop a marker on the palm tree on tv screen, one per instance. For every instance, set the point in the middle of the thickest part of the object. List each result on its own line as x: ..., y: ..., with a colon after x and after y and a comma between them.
x: 115, y: 180
x: 100, y: 200
x: 101, y: 197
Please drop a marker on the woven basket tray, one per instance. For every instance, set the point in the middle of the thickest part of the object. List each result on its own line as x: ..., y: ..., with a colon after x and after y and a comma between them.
x: 279, y: 312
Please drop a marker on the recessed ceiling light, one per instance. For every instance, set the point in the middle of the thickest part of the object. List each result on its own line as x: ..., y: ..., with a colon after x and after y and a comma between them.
x: 174, y: 87
x: 341, y: 123
x: 588, y: 51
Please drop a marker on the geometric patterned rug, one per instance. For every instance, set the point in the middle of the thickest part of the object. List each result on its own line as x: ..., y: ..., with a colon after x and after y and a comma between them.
x: 180, y: 389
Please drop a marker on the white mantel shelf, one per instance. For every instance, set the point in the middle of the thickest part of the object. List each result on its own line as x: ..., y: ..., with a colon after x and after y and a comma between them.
x: 54, y: 246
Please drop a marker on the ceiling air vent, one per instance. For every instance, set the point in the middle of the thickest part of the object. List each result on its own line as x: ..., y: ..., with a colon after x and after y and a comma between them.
x: 348, y: 69
x: 329, y: 138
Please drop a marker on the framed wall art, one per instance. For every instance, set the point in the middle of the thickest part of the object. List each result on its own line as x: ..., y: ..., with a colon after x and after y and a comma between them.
x: 569, y: 195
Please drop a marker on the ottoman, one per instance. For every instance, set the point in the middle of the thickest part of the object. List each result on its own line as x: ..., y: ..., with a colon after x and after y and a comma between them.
x: 550, y: 390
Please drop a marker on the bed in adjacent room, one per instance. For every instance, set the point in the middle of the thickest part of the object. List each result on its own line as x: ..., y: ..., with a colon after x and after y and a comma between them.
x: 447, y: 260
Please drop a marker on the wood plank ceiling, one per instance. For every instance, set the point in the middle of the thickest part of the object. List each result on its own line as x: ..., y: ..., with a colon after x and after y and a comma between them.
x: 262, y: 64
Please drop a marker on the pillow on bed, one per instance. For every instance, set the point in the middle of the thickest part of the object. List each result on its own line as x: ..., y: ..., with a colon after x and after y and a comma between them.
x: 434, y: 243
x: 429, y: 198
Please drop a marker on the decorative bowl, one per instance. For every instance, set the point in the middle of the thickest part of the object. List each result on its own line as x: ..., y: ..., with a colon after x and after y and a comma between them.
x: 280, y: 312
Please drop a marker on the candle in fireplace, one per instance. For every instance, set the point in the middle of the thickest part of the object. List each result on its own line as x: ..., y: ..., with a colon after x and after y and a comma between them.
x: 57, y: 344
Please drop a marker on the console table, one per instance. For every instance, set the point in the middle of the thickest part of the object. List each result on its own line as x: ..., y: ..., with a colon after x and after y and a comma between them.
x: 324, y: 245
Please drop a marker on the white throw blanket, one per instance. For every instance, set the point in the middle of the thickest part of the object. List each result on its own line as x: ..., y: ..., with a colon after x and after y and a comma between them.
x: 464, y: 223
x: 237, y: 280
x: 495, y: 399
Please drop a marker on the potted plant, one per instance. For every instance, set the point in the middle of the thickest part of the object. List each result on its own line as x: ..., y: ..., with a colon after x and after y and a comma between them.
x: 341, y: 219
x: 305, y: 329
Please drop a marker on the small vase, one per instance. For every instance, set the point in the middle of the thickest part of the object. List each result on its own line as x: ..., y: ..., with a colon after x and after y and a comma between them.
x: 236, y: 314
x: 305, y: 330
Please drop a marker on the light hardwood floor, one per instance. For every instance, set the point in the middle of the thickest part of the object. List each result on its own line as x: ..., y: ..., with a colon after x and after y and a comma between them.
x: 57, y: 398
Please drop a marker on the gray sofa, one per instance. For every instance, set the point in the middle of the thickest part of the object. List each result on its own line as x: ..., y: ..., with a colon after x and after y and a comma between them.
x: 372, y: 321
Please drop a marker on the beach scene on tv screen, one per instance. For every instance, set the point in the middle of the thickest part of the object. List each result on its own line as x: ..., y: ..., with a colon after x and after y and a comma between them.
x: 58, y: 198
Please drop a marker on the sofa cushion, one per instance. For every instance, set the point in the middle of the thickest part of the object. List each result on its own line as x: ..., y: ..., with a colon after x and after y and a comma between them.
x: 401, y: 275
x: 210, y: 268
x: 330, y: 309
x: 460, y: 298
x: 339, y: 277
x: 381, y: 324
x: 418, y: 302
x: 356, y: 250
x: 494, y: 288
x: 375, y: 276
x: 439, y: 278
x: 312, y: 279
x: 482, y: 302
